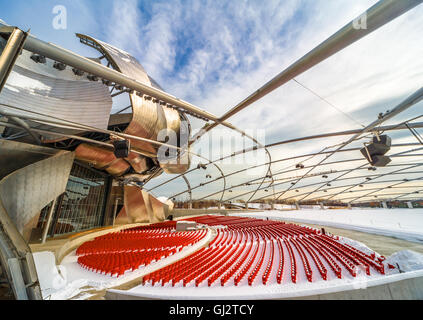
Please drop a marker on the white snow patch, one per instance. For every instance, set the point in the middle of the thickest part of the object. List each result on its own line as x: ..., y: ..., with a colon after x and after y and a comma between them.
x: 404, y: 224
x: 410, y: 263
x: 287, y: 289
x: 407, y: 260
x: 69, y: 282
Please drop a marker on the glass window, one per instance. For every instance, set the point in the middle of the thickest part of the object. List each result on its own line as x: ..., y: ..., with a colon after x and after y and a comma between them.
x: 82, y: 206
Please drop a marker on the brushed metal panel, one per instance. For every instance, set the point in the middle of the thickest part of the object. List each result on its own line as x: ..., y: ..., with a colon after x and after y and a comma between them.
x: 138, y: 162
x: 176, y: 166
x: 48, y: 91
x: 135, y: 206
x: 140, y: 206
x: 102, y: 159
x: 149, y: 117
x: 15, y: 155
x: 26, y: 191
x: 159, y: 210
x: 127, y: 64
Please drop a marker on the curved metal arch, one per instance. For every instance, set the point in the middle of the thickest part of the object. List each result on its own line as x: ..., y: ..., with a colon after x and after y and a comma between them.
x: 100, y: 46
x: 313, y: 184
x: 189, y: 190
x: 394, y: 155
x: 400, y: 126
x: 408, y: 193
x: 380, y: 198
x: 189, y: 187
x: 292, y: 170
x: 411, y: 100
x: 350, y: 187
x: 344, y: 179
x: 346, y: 172
x: 357, y: 184
x: 367, y: 183
x: 245, y: 182
x: 375, y: 190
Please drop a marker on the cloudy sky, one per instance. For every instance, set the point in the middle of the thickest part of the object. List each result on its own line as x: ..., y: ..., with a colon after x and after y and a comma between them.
x: 215, y: 53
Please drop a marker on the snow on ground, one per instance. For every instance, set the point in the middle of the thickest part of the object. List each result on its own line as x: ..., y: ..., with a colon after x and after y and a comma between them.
x: 287, y: 289
x: 69, y: 279
x: 404, y: 224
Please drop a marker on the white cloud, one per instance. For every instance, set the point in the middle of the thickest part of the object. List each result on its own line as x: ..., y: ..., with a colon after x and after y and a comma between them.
x: 215, y: 54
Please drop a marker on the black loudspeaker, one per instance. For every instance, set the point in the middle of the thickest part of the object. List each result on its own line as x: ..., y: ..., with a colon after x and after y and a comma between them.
x: 38, y: 58
x: 384, y: 139
x: 377, y: 150
x: 59, y: 66
x: 122, y: 148
x: 380, y: 161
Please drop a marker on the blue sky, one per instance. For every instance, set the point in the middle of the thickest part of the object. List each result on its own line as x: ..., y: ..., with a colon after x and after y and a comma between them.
x: 215, y: 53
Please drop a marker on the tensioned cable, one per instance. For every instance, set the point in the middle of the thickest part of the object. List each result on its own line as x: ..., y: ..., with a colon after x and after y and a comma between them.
x: 327, y: 102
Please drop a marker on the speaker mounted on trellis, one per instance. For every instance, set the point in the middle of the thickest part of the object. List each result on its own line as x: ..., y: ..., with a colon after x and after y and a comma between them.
x: 376, y: 150
x: 122, y: 148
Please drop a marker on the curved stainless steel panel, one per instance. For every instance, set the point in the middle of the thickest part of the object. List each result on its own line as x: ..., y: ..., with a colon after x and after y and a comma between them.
x: 27, y: 190
x: 102, y: 159
x: 41, y: 88
x: 140, y: 206
x: 138, y: 162
x: 149, y: 117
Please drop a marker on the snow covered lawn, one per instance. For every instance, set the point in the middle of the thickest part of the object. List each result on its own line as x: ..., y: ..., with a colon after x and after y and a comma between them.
x: 404, y: 224
x: 401, y: 223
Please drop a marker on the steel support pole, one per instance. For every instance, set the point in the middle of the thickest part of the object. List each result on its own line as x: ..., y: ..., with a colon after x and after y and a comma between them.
x: 115, y: 210
x: 189, y: 191
x: 378, y: 15
x: 48, y: 223
x: 10, y: 53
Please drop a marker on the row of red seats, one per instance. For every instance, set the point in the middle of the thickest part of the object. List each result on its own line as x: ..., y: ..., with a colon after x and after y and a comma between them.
x: 203, y: 266
x: 118, y: 264
x: 292, y: 259
x: 239, y: 249
x: 247, y: 266
x: 365, y: 258
x: 165, y: 225
x: 281, y: 262
x: 166, y: 274
x: 99, y: 245
x: 268, y: 269
x: 326, y: 255
x: 320, y: 266
x: 304, y: 259
x: 258, y: 265
x: 215, y: 265
x: 350, y: 266
x: 194, y: 265
x: 237, y: 264
x: 222, y: 269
